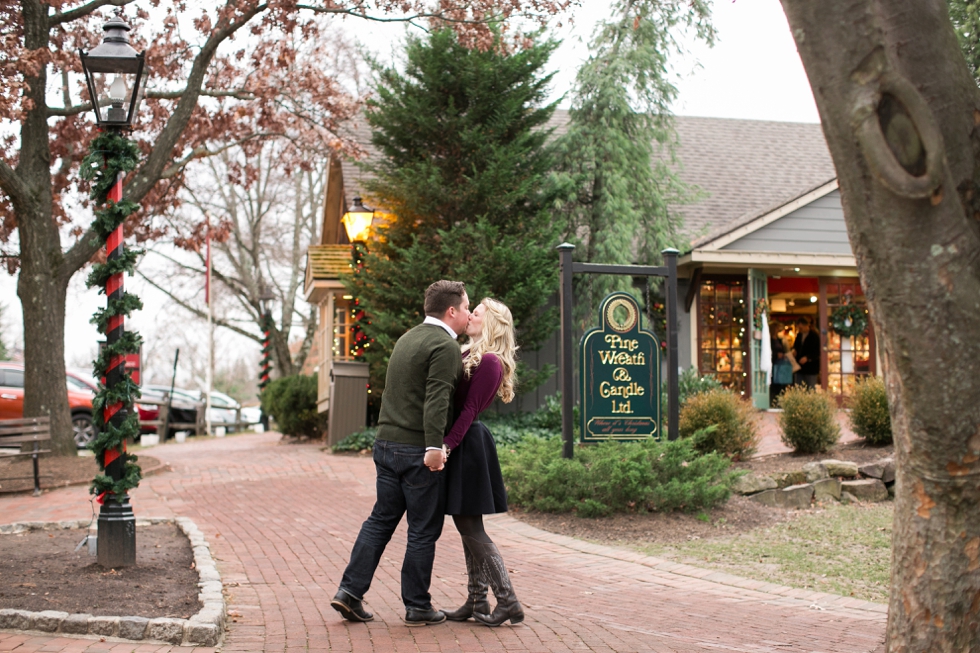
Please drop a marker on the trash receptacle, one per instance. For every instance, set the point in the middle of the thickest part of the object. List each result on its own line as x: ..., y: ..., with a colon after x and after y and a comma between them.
x: 348, y: 400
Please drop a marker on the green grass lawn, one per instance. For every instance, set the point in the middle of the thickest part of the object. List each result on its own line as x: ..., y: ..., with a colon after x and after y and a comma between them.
x: 838, y: 549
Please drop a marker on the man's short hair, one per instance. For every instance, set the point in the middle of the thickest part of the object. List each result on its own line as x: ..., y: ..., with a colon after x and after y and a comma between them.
x: 443, y: 295
x: 803, y: 320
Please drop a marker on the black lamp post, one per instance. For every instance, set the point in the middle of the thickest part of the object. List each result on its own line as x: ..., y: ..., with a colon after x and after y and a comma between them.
x: 266, y: 299
x: 115, y: 76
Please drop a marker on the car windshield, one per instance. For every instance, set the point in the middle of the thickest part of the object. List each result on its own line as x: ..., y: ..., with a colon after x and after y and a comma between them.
x: 78, y: 384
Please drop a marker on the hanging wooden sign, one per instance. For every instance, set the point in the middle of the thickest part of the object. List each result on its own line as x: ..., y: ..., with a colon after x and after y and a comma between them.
x: 620, y: 375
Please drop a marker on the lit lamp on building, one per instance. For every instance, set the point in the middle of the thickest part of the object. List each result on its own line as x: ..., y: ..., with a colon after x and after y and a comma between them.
x: 357, y: 221
x: 115, y: 75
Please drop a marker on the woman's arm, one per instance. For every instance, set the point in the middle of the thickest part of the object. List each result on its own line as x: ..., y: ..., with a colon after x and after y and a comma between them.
x: 483, y: 387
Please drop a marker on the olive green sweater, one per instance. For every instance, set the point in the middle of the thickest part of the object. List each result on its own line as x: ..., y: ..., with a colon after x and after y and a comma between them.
x: 423, y: 371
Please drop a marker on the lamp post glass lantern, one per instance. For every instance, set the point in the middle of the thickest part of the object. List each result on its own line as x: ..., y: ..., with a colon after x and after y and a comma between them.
x: 357, y: 221
x: 115, y: 75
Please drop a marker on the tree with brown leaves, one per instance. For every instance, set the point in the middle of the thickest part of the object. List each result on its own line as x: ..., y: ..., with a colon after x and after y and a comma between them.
x: 221, y: 76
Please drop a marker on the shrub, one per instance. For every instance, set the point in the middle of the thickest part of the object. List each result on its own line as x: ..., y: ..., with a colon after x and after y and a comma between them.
x: 357, y: 441
x: 544, y: 423
x: 291, y: 400
x: 808, y: 420
x: 690, y: 383
x: 869, y: 411
x: 735, y: 432
x: 614, y: 477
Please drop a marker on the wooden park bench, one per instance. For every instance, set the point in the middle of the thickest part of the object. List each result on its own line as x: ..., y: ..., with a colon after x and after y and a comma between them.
x: 18, y: 432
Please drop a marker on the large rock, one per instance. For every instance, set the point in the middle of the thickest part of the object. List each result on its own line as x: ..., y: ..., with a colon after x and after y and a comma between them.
x: 751, y: 484
x: 794, y: 496
x: 815, y: 472
x: 786, y: 479
x: 866, y: 489
x: 888, y: 470
x: 843, y: 468
x: 826, y: 488
x: 106, y: 626
x: 15, y: 619
x: 871, y: 470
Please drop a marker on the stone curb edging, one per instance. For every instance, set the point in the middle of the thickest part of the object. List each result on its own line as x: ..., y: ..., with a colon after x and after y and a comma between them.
x: 203, y: 629
x: 816, y: 600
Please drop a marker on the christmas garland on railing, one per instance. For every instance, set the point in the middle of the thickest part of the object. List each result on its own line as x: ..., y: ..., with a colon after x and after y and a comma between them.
x: 110, y: 155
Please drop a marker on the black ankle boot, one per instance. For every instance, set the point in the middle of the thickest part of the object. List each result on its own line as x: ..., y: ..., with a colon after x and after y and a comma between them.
x: 476, y: 601
x: 492, y: 569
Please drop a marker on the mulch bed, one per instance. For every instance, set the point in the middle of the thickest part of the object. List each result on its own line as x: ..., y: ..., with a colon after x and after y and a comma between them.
x: 39, y: 570
x: 17, y: 474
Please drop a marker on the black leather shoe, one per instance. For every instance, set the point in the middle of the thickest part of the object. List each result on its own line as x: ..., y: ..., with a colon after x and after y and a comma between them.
x: 350, y: 608
x: 428, y: 617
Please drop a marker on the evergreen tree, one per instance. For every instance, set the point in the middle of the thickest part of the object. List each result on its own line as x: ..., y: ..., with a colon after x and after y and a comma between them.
x: 464, y: 171
x: 612, y: 159
x: 4, y: 352
x: 965, y: 15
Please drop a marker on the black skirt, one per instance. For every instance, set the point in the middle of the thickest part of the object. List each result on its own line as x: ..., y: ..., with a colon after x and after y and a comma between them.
x: 474, y: 484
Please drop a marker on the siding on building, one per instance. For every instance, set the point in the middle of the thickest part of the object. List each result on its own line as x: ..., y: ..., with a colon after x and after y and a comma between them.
x: 817, y: 227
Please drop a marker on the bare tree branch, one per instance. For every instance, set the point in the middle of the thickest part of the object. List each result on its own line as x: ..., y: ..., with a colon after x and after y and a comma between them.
x: 84, y: 10
x: 198, y: 312
x: 13, y: 185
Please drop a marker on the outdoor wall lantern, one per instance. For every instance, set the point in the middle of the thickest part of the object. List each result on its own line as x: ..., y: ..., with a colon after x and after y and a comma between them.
x: 357, y: 221
x: 115, y: 75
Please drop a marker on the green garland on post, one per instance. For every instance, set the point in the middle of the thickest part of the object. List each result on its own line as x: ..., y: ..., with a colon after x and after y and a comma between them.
x: 849, y: 320
x: 110, y: 155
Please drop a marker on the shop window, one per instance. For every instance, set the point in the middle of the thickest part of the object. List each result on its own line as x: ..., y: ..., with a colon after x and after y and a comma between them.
x: 723, y: 332
x: 341, y: 330
x: 848, y: 358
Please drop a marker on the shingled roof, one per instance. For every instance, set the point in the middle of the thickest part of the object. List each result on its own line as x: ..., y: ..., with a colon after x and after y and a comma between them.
x: 743, y: 168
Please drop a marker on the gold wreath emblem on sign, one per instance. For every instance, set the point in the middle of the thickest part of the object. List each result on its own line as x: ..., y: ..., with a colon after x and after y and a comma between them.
x: 621, y: 325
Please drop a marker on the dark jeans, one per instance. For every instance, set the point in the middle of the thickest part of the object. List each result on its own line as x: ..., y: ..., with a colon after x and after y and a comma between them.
x: 405, y: 486
x: 809, y: 380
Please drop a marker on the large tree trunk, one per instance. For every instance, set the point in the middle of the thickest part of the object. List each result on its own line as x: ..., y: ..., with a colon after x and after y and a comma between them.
x: 43, y: 283
x: 900, y: 112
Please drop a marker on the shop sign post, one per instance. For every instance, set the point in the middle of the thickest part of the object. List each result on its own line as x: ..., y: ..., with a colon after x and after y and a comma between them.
x: 620, y: 375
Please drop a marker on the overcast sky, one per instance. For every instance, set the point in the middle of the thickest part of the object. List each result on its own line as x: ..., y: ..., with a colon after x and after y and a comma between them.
x: 753, y: 72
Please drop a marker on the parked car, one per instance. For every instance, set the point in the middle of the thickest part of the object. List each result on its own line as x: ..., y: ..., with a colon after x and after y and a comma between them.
x: 184, y: 406
x: 224, y: 410
x: 79, y: 401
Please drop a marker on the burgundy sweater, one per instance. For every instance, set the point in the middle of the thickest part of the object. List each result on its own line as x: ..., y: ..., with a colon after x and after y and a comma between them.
x: 473, y: 395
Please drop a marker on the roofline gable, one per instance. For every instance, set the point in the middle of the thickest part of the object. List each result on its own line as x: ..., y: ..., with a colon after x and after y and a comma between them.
x: 741, y: 228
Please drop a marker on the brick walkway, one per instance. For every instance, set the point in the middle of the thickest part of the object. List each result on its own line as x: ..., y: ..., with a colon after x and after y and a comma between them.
x: 281, y: 520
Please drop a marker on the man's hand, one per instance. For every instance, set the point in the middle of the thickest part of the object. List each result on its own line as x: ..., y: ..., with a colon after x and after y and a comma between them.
x: 802, y: 361
x: 434, y: 460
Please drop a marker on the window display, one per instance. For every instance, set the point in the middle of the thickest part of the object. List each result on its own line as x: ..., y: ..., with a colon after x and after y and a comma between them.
x: 723, y: 331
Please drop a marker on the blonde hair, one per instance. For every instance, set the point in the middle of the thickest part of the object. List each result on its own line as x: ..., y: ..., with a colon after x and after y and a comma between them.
x: 496, y: 337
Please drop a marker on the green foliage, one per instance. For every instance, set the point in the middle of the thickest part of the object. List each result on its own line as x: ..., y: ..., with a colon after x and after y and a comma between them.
x: 965, y: 15
x: 690, y: 383
x: 614, y: 477
x: 544, y: 423
x: 869, y: 411
x: 463, y: 168
x: 357, y: 441
x: 808, y: 420
x: 619, y: 186
x: 111, y: 155
x: 718, y: 420
x: 291, y: 401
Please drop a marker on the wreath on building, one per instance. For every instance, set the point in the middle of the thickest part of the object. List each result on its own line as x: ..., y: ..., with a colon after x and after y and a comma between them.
x: 761, y: 306
x: 849, y: 320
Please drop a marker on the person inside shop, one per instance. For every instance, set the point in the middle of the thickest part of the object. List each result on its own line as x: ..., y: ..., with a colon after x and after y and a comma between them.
x: 806, y: 349
x: 782, y: 369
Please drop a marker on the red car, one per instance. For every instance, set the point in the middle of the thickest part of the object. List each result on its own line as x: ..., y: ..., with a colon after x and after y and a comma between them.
x: 80, y: 395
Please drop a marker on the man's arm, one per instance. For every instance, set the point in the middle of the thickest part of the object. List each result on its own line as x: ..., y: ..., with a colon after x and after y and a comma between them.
x: 443, y: 375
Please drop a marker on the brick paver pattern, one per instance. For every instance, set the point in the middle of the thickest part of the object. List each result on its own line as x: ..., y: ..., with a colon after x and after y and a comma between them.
x: 281, y: 520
